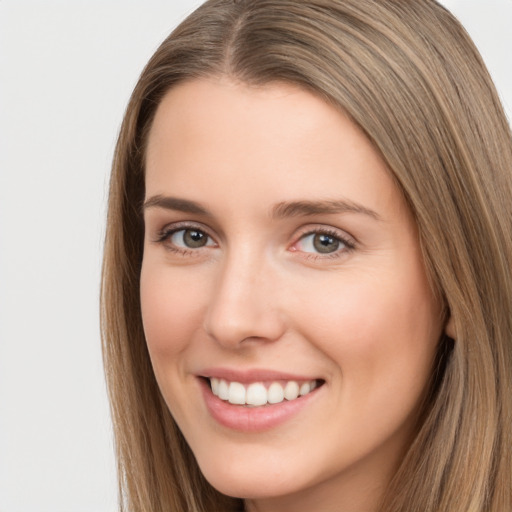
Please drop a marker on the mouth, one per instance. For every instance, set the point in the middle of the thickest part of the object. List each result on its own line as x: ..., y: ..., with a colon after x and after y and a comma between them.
x: 261, y: 393
x: 255, y: 401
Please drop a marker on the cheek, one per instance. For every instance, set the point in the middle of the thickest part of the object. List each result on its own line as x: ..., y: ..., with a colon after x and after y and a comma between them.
x: 380, y: 331
x: 171, y: 311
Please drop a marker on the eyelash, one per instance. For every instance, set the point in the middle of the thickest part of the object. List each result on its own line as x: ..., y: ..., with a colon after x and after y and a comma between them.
x: 166, y: 234
x: 348, y: 243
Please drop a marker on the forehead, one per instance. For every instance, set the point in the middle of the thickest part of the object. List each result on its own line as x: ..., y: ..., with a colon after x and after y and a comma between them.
x: 276, y: 142
x: 206, y: 111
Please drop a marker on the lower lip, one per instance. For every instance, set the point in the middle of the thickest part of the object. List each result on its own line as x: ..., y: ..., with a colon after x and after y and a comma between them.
x: 253, y: 419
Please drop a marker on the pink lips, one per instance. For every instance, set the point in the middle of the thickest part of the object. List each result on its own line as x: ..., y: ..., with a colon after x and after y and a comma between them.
x: 252, y: 419
x: 254, y: 375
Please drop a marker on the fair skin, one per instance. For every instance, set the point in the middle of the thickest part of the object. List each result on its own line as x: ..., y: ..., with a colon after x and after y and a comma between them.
x: 244, y: 279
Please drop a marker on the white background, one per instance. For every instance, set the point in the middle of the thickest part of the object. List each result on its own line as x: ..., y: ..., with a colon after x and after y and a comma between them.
x: 67, y: 69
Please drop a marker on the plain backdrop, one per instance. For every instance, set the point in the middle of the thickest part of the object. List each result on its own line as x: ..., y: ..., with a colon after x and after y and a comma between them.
x: 67, y: 69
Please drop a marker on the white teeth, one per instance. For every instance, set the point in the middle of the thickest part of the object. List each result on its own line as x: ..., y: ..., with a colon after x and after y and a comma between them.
x: 215, y: 385
x: 257, y: 394
x: 305, y: 389
x: 223, y: 390
x: 291, y: 391
x: 236, y: 393
x: 275, y: 393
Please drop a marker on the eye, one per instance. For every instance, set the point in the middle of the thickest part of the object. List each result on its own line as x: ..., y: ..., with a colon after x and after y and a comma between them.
x: 189, y: 238
x: 184, y: 239
x: 323, y: 243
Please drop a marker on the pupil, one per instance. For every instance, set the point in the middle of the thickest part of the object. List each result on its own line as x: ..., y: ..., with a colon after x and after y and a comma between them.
x: 325, y: 243
x: 194, y: 239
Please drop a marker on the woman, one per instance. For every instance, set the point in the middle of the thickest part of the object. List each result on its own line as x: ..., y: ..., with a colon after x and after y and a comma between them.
x: 307, y: 279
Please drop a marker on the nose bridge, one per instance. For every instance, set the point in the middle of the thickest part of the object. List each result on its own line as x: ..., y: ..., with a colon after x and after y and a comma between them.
x: 244, y: 302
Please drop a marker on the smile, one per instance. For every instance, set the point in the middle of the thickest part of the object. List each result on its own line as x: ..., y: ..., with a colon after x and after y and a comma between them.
x: 259, y: 394
x: 257, y: 400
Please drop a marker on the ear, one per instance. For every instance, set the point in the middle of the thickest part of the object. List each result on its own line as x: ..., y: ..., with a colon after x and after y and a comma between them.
x: 449, y: 330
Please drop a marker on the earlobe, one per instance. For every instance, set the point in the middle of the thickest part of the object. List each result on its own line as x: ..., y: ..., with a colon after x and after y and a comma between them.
x: 449, y: 330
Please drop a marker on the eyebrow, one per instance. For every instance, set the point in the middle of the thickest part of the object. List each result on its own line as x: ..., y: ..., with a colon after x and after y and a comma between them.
x: 174, y: 203
x: 305, y: 208
x: 281, y: 210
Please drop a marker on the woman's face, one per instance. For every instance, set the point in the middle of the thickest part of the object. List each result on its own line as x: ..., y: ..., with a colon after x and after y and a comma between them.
x: 280, y: 258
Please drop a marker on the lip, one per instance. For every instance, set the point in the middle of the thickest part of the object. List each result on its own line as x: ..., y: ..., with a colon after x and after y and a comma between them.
x: 253, y: 419
x: 252, y: 375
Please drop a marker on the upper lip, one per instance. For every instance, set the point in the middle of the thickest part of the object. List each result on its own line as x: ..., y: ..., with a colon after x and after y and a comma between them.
x: 252, y: 375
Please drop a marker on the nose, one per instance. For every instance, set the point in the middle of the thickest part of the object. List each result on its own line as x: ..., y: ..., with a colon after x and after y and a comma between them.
x: 245, y: 304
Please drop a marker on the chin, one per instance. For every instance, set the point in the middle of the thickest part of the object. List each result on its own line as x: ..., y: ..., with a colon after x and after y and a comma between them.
x: 248, y: 482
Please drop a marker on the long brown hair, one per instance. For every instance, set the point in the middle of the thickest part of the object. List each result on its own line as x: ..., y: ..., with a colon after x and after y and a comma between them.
x: 407, y: 73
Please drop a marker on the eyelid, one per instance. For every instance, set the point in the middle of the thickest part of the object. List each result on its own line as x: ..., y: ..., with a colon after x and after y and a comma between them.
x: 348, y: 240
x: 164, y: 234
x: 327, y: 229
x: 350, y: 243
x: 176, y: 226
